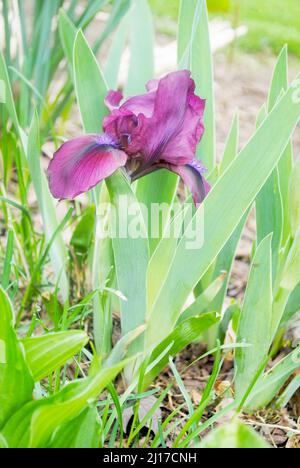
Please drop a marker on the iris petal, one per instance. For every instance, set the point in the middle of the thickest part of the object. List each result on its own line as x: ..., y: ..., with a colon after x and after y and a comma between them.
x: 192, y: 176
x: 82, y: 163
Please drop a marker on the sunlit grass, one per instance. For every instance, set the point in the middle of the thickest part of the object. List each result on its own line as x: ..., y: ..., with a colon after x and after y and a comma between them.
x: 270, y: 23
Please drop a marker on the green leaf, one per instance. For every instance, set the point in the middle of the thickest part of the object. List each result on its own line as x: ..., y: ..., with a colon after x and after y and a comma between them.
x: 273, y: 198
x: 203, y: 302
x: 291, y: 272
x: 157, y: 189
x: 7, y: 95
x: 141, y: 66
x: 34, y: 424
x: 255, y: 320
x: 84, y: 432
x: 270, y: 384
x: 67, y: 32
x: 194, y: 52
x: 131, y: 254
x: 288, y: 393
x: 184, y: 334
x: 90, y: 84
x: 223, y: 210
x: 3, y: 443
x: 113, y: 62
x: 280, y: 84
x: 293, y: 304
x: 8, y: 259
x: 58, y: 253
x: 83, y: 233
x: 231, y: 146
x: 121, y: 348
x: 46, y: 353
x: 233, y: 435
x: 16, y: 383
x: 163, y: 254
x: 294, y: 198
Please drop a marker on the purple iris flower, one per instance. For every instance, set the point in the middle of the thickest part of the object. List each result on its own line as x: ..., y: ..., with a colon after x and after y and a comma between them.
x: 157, y: 130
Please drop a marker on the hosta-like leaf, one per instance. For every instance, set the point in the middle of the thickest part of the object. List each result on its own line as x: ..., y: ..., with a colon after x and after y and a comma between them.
x: 234, y: 435
x: 3, y: 443
x: 84, y: 432
x: 46, y: 353
x: 34, y: 424
x: 16, y: 382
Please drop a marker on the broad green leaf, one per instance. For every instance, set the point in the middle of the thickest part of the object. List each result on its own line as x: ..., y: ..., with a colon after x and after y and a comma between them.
x: 255, y: 320
x: 163, y: 254
x: 34, y: 424
x: 130, y: 244
x: 234, y: 435
x: 46, y: 353
x: 270, y: 384
x: 141, y: 66
x: 3, y: 443
x: 183, y: 334
x: 16, y: 383
x: 269, y: 201
x: 280, y: 84
x: 294, y: 198
x: 58, y: 253
x: 157, y: 190
x: 194, y: 52
x: 224, y: 263
x: 90, y: 84
x: 223, y: 210
x: 84, y: 432
x: 273, y: 197
x: 2, y: 92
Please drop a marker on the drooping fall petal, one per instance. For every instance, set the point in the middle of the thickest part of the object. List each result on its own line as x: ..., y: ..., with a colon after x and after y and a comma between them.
x: 82, y: 163
x: 192, y: 176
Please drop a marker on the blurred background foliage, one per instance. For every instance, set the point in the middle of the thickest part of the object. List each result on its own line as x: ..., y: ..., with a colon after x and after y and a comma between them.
x: 270, y: 22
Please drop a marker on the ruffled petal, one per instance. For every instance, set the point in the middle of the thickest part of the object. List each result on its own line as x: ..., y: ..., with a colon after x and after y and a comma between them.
x: 182, y: 147
x: 82, y: 163
x: 171, y: 103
